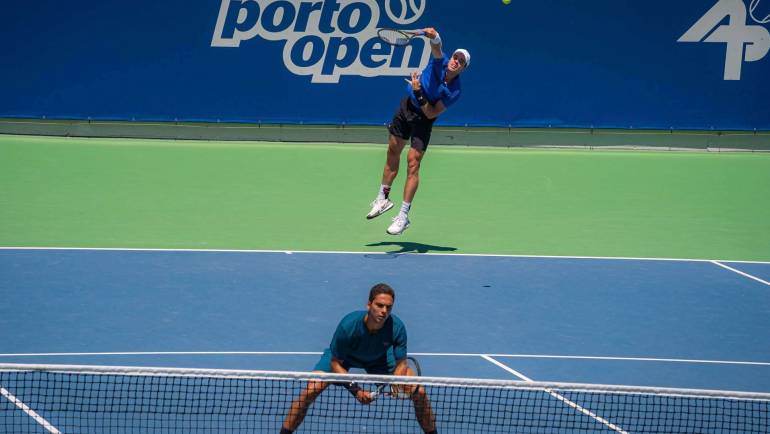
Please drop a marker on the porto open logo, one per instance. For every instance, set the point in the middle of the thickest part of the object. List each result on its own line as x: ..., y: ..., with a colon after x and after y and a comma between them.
x: 326, y: 39
x: 744, y: 42
x: 402, y: 12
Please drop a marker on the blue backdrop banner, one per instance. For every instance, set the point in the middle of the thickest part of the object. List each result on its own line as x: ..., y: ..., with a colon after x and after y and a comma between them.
x: 699, y: 64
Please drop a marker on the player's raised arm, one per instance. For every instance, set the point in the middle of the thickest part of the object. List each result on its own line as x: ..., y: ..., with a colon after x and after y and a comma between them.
x: 435, y: 42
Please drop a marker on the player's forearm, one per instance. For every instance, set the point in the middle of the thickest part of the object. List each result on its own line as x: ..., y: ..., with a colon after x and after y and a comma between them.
x: 337, y: 367
x: 429, y: 110
x: 435, y: 42
x: 401, y: 368
x: 437, y: 51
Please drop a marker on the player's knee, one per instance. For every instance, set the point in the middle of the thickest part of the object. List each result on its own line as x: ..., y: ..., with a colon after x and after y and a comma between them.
x: 414, y: 167
x: 314, y: 388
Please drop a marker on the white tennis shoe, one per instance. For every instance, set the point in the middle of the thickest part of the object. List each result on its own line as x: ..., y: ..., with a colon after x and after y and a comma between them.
x: 399, y: 225
x: 379, y: 206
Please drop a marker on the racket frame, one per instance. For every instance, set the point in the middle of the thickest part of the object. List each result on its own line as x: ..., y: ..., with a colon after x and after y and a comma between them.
x: 415, y: 365
x: 407, y: 35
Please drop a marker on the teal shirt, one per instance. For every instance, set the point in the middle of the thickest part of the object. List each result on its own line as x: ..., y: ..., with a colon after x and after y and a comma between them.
x: 353, y: 344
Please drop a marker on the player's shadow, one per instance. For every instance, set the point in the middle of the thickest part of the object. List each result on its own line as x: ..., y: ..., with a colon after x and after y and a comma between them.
x: 407, y: 247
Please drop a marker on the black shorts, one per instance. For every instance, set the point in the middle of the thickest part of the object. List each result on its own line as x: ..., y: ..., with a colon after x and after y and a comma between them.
x: 410, y: 122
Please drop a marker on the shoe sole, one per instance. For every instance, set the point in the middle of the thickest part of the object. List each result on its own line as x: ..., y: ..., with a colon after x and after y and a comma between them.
x: 369, y: 217
x: 399, y: 233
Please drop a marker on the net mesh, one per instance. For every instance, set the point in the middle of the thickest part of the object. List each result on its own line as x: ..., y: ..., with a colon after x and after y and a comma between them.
x: 70, y: 399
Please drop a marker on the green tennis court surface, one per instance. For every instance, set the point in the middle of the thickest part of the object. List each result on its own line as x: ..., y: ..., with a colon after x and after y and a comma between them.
x: 294, y: 196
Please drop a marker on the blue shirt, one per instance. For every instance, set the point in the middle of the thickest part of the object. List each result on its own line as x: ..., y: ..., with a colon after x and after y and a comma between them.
x: 353, y: 343
x: 433, y: 84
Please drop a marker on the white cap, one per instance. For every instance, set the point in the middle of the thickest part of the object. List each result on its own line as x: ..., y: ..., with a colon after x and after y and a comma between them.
x: 465, y: 54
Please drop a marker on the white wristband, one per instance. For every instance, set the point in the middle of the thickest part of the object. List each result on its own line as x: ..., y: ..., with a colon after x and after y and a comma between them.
x: 436, y: 40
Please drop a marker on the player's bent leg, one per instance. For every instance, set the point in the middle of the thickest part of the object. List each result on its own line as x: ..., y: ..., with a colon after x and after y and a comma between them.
x: 414, y: 159
x: 395, y: 146
x: 382, y: 204
x: 422, y: 408
x: 301, y: 404
x: 401, y: 221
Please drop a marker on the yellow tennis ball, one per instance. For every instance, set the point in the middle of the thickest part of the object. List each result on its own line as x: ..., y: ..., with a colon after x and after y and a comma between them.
x: 506, y: 2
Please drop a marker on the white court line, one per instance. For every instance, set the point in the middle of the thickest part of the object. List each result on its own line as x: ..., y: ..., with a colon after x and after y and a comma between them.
x: 560, y: 397
x: 31, y: 413
x: 635, y: 359
x: 741, y: 272
x: 316, y: 353
x: 506, y: 367
x: 483, y: 255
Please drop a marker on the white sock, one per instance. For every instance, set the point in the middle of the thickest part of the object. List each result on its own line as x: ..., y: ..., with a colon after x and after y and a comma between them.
x: 405, y: 208
x: 384, y: 192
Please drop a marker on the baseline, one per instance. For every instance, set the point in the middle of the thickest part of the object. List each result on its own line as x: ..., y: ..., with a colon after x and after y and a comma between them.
x: 289, y: 252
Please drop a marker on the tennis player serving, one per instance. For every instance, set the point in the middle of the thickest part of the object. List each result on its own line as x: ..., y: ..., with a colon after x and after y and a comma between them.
x: 429, y: 94
x: 373, y: 340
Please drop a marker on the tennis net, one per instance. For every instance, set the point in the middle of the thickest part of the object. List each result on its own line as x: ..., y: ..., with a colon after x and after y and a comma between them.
x: 94, y: 399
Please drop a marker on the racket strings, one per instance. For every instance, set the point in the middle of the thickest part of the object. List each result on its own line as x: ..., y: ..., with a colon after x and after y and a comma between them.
x: 394, y: 37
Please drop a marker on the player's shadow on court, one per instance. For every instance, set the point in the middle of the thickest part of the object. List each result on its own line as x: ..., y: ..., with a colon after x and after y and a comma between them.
x: 407, y: 247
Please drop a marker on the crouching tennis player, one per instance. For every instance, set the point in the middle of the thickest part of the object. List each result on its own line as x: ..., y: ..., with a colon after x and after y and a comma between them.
x: 373, y: 340
x: 428, y: 95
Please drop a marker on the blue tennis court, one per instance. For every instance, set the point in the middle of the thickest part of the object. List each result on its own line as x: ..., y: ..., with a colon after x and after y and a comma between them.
x: 662, y: 323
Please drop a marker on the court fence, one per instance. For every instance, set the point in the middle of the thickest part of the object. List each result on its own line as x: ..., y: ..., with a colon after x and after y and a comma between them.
x: 557, y: 138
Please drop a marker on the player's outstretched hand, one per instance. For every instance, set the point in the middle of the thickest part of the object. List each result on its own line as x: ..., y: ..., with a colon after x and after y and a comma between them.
x: 415, y: 81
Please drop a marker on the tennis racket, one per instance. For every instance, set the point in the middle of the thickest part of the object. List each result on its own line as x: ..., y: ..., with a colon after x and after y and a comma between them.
x: 400, y: 391
x: 398, y: 37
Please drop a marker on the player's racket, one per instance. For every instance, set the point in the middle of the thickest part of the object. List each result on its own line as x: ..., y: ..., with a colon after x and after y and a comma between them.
x: 400, y: 391
x: 398, y: 37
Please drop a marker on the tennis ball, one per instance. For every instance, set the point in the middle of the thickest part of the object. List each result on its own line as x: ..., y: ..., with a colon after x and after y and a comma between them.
x: 506, y: 2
